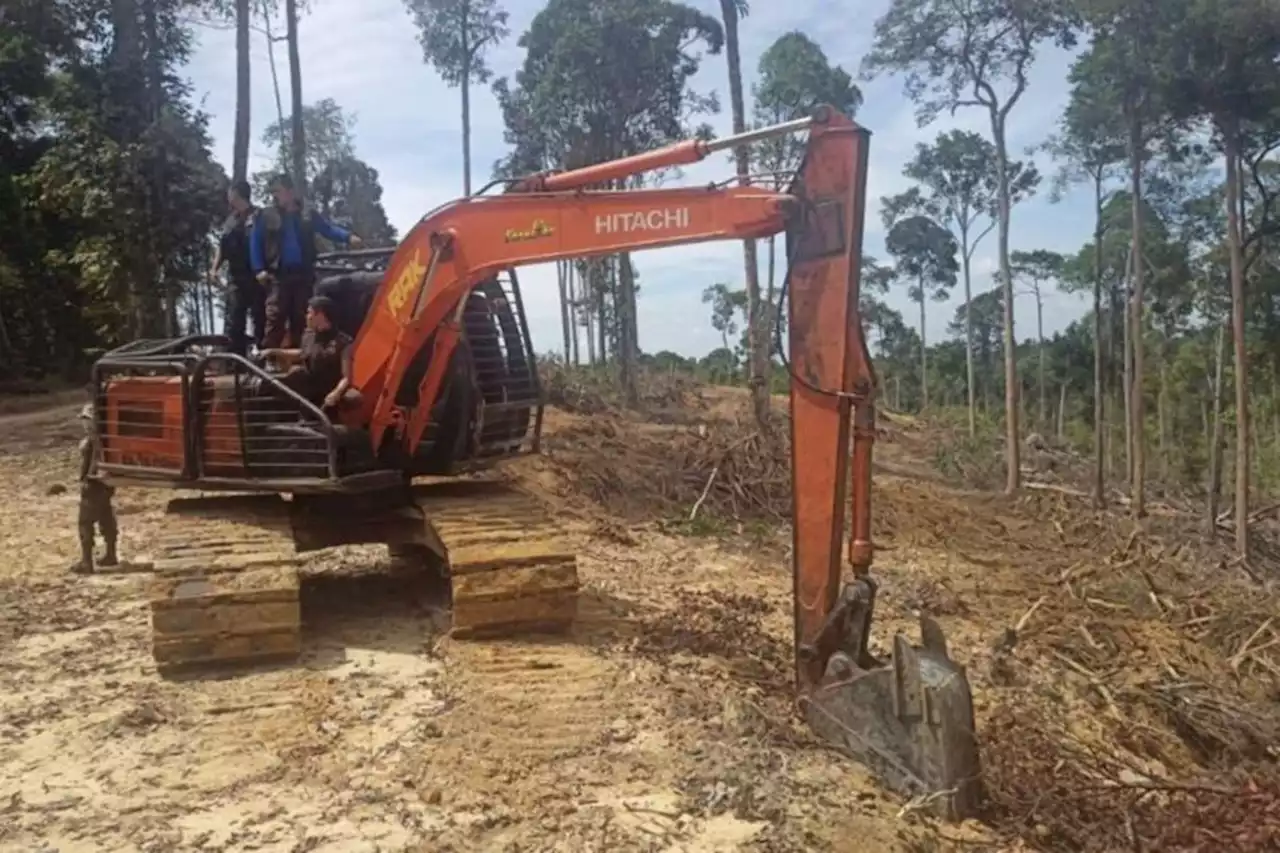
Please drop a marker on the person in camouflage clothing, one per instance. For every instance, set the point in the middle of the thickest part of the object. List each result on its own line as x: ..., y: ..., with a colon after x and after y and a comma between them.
x: 95, y: 501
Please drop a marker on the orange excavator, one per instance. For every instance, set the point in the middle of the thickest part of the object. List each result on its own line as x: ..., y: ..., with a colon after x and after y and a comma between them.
x: 446, y: 386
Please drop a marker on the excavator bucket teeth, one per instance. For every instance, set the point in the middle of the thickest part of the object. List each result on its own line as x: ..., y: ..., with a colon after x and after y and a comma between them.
x: 911, y: 722
x: 512, y: 571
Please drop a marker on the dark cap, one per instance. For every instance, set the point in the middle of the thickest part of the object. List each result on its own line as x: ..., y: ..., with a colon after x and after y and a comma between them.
x: 322, y: 305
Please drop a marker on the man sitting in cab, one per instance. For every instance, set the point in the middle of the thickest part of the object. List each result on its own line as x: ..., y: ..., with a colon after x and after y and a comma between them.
x: 320, y: 370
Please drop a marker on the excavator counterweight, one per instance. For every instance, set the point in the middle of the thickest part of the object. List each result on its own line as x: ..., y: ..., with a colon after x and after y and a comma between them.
x: 446, y: 387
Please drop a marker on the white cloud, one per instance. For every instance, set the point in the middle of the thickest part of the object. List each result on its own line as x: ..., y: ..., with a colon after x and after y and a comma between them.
x: 365, y: 56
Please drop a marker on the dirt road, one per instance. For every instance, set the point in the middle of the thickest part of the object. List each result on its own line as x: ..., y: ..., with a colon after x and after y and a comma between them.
x: 663, y: 724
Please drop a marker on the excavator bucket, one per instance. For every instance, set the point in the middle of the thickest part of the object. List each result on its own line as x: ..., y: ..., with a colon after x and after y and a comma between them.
x: 910, y: 721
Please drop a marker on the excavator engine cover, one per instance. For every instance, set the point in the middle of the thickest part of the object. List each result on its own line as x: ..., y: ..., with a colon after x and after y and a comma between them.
x: 910, y: 721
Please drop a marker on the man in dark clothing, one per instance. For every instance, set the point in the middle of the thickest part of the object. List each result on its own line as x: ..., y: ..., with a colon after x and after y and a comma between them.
x: 320, y: 370
x: 95, y: 502
x: 246, y: 297
x: 282, y: 251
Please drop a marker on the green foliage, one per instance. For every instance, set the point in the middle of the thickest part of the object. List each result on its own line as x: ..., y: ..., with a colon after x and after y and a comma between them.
x: 794, y: 77
x: 957, y: 54
x: 343, y: 186
x: 957, y: 184
x: 107, y: 187
x: 455, y: 33
x: 604, y: 80
x: 925, y: 253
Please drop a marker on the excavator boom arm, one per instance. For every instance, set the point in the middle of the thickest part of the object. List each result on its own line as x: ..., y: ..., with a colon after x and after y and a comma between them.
x: 552, y: 218
x: 912, y: 720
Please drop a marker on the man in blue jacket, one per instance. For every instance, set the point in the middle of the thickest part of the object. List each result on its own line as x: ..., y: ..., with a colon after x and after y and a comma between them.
x: 283, y: 254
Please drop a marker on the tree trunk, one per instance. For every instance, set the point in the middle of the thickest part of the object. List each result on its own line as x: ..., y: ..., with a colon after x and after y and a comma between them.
x: 600, y: 276
x: 966, y: 260
x: 1162, y: 404
x: 275, y: 79
x: 1232, y: 146
x: 571, y: 287
x: 299, y: 153
x: 1061, y: 431
x: 1043, y: 361
x: 240, y: 142
x: 466, y: 103
x: 1126, y: 332
x: 924, y: 355
x: 1013, y: 474
x: 1216, y: 440
x: 627, y: 344
x: 1138, y: 407
x: 757, y: 351
x: 1099, y: 364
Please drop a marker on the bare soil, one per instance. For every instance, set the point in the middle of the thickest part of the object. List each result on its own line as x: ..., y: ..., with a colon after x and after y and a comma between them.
x: 665, y: 722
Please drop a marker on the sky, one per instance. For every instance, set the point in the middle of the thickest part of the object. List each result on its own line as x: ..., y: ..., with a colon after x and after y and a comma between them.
x: 365, y: 56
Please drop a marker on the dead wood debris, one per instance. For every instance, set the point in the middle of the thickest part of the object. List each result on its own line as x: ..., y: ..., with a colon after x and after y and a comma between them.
x: 1171, y: 661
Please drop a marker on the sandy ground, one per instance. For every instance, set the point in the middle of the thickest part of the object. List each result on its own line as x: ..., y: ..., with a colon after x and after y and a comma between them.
x: 663, y: 724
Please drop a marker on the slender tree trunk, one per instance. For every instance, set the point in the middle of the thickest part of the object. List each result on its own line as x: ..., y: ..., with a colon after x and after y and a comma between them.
x: 627, y: 349
x: 240, y: 141
x: 572, y: 288
x: 1099, y: 364
x: 924, y: 355
x: 1043, y: 362
x: 275, y: 78
x: 1136, y: 145
x: 757, y: 352
x: 466, y: 104
x: 1216, y: 440
x: 1162, y: 405
x: 1061, y: 431
x: 1126, y: 332
x: 1234, y: 240
x: 588, y: 311
x: 562, y: 280
x: 966, y: 261
x: 299, y: 152
x: 1013, y: 474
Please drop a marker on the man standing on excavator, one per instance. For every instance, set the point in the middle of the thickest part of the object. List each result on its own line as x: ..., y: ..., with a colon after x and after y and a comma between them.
x: 282, y: 250
x: 245, y: 296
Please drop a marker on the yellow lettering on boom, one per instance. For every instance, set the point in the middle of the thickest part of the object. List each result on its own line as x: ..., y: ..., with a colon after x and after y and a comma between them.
x: 402, y: 290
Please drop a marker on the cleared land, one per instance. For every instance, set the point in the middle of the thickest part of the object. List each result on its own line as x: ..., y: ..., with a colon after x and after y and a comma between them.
x: 1126, y: 683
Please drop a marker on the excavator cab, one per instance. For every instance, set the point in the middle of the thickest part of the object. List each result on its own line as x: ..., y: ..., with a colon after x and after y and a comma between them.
x: 448, y: 385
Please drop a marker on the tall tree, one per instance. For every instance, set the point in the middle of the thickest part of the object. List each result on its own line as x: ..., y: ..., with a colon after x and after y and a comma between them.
x: 601, y: 81
x: 454, y: 35
x: 240, y: 142
x: 1038, y: 268
x: 961, y: 55
x: 925, y: 253
x: 329, y: 133
x: 298, y: 139
x: 794, y: 76
x: 731, y: 12
x: 725, y: 305
x: 1090, y: 147
x: 1128, y: 60
x: 1224, y: 64
x: 959, y: 186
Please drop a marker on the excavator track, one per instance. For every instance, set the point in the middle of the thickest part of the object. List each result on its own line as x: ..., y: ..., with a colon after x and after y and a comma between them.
x: 225, y: 589
x: 512, y: 569
x: 226, y: 583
